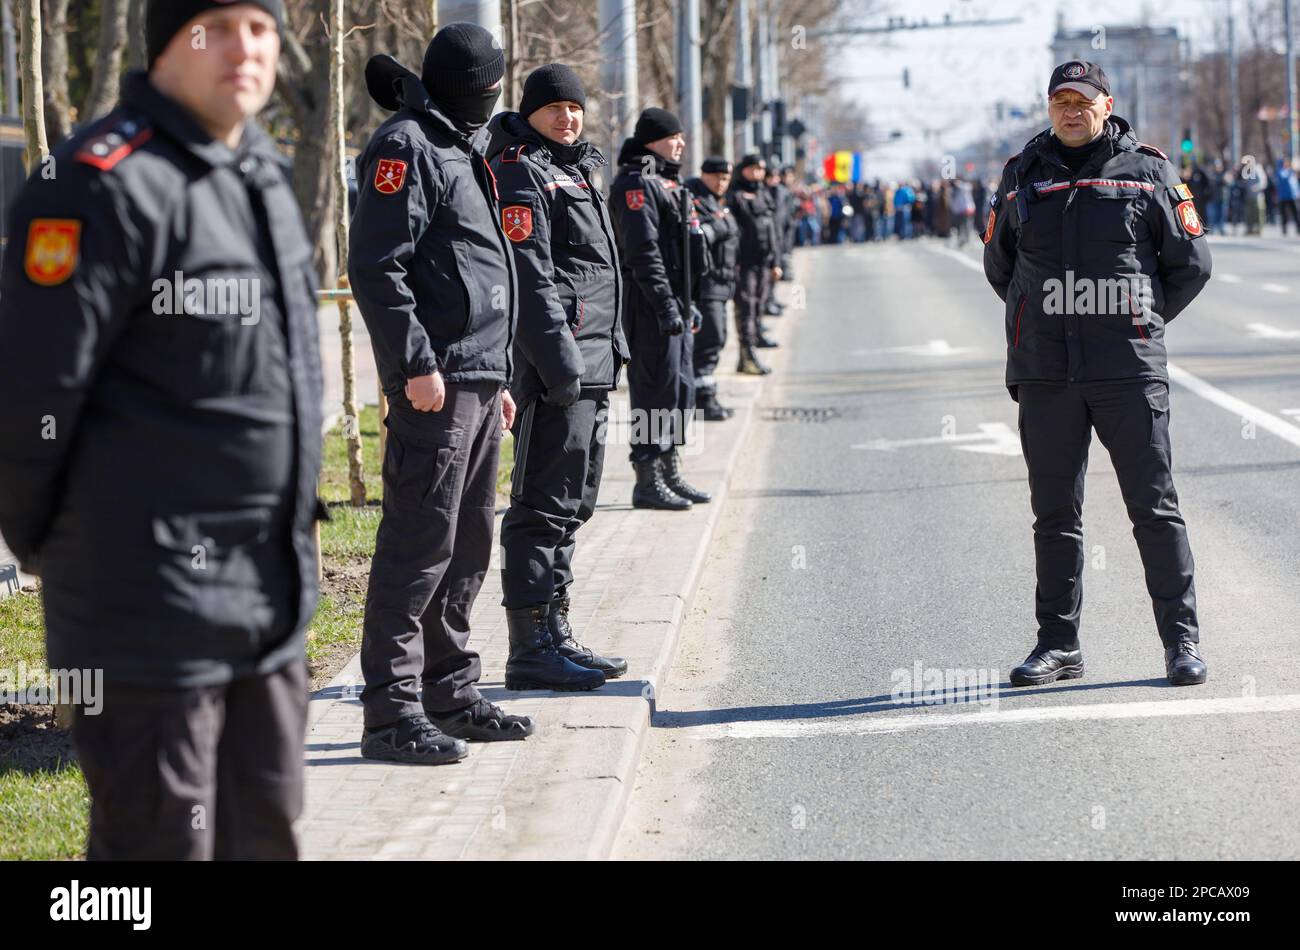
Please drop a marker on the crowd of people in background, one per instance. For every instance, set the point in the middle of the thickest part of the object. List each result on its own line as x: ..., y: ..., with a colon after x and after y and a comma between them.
x: 946, y: 208
x: 1230, y: 200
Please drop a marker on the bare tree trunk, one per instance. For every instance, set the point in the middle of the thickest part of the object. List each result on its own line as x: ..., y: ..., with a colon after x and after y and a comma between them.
x: 108, y: 60
x: 29, y: 18
x: 54, y: 61
x: 338, y: 114
x: 137, y: 55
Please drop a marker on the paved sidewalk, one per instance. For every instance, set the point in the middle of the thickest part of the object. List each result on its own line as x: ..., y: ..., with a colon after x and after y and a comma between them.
x: 562, y: 792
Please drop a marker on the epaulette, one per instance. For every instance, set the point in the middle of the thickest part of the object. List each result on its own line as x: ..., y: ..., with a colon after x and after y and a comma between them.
x: 1151, y: 150
x: 513, y: 152
x: 1012, y: 159
x: 105, y: 150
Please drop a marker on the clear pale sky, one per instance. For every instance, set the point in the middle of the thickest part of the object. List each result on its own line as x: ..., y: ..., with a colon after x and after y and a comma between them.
x: 958, y: 74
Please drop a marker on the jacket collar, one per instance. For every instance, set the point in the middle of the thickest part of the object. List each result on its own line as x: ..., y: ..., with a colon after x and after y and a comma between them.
x: 508, y: 128
x: 168, y: 115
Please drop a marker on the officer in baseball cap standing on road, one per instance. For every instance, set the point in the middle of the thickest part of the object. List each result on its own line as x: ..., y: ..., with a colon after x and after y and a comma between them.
x: 1095, y: 246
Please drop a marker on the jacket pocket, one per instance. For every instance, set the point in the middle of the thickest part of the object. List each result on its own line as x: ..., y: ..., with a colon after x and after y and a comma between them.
x: 1015, y: 316
x: 583, y: 222
x: 213, y: 563
x: 1114, y: 212
x: 465, y: 274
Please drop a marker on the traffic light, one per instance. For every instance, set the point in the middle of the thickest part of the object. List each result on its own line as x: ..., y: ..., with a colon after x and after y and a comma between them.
x: 1188, y: 145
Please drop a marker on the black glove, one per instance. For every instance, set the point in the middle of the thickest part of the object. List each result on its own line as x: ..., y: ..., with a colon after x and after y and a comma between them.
x: 672, y: 324
x: 697, y: 319
x: 565, y: 394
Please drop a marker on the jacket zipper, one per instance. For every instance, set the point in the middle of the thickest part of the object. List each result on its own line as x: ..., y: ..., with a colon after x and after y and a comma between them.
x: 1019, y: 310
x: 1133, y: 312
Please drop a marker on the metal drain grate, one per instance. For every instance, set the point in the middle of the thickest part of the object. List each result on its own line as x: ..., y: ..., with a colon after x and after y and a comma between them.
x: 800, y: 413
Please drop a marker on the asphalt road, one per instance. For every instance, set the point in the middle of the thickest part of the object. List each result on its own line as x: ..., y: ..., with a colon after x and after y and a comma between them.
x: 889, y: 531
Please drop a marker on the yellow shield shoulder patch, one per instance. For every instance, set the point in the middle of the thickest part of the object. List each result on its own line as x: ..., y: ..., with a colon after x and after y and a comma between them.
x: 53, y: 246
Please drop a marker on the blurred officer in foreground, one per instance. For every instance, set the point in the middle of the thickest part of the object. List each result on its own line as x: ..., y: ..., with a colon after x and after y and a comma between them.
x: 718, y: 285
x: 434, y: 279
x: 569, y: 353
x: 652, y: 214
x: 1088, y: 210
x: 751, y: 204
x: 160, y: 442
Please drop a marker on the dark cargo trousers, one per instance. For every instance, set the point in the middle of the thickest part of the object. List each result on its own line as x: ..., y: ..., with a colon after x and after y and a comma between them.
x: 709, y: 342
x: 559, y: 460
x: 660, y: 388
x: 1132, y: 422
x: 193, y: 774
x: 431, y: 555
x: 751, y: 299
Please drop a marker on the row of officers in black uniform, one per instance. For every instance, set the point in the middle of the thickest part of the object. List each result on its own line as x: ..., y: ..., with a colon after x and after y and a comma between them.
x: 160, y: 448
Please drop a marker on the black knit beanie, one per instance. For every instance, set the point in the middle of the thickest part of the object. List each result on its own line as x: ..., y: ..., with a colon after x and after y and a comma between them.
x: 462, y: 57
x: 553, y: 82
x: 655, y: 124
x: 165, y: 18
x: 716, y: 165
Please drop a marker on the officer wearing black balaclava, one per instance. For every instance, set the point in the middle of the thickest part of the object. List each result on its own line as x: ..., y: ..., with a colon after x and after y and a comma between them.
x: 434, y: 278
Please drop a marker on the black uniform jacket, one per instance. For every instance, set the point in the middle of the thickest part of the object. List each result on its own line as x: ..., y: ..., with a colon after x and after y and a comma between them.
x: 1092, y: 266
x: 723, y: 236
x: 566, y: 257
x: 430, y: 267
x: 751, y: 203
x: 161, y: 383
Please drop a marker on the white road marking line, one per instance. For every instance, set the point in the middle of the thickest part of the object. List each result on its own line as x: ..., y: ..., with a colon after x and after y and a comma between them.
x: 1265, y: 420
x: 933, y: 348
x: 996, y: 438
x: 1265, y: 331
x: 1276, y: 288
x: 1238, y: 407
x: 957, y: 256
x: 908, y: 722
x: 1226, y: 278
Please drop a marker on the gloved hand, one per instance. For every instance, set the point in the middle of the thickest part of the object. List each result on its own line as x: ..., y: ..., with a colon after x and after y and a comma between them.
x: 565, y: 394
x: 672, y: 325
x: 697, y: 319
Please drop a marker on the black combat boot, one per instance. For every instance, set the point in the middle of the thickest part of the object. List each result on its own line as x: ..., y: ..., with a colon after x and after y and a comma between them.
x: 749, y: 364
x: 412, y: 739
x: 765, y: 342
x: 671, y: 466
x: 534, y: 661
x: 1045, y: 665
x: 652, y: 492
x: 569, y: 648
x: 1183, y: 664
x: 706, y: 400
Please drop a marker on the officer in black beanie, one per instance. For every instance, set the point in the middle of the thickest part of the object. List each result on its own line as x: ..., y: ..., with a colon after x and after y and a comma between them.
x: 434, y: 278
x: 569, y: 354
x: 719, y: 285
x: 657, y: 230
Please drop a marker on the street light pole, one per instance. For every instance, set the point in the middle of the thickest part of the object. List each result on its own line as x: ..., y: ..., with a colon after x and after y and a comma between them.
x: 1232, y: 87
x: 1292, y: 121
x: 688, y: 81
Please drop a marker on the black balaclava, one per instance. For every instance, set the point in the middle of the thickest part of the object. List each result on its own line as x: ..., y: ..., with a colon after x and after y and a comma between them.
x: 461, y: 66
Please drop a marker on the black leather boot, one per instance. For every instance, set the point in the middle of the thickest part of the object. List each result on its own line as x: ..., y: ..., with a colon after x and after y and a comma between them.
x: 569, y: 647
x: 706, y: 400
x: 534, y: 661
x: 1045, y: 665
x: 412, y: 739
x: 765, y: 342
x: 651, y: 490
x: 1183, y: 664
x: 671, y: 466
x: 749, y: 364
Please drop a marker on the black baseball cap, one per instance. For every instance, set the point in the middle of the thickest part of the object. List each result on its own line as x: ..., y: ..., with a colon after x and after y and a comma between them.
x: 1083, y: 77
